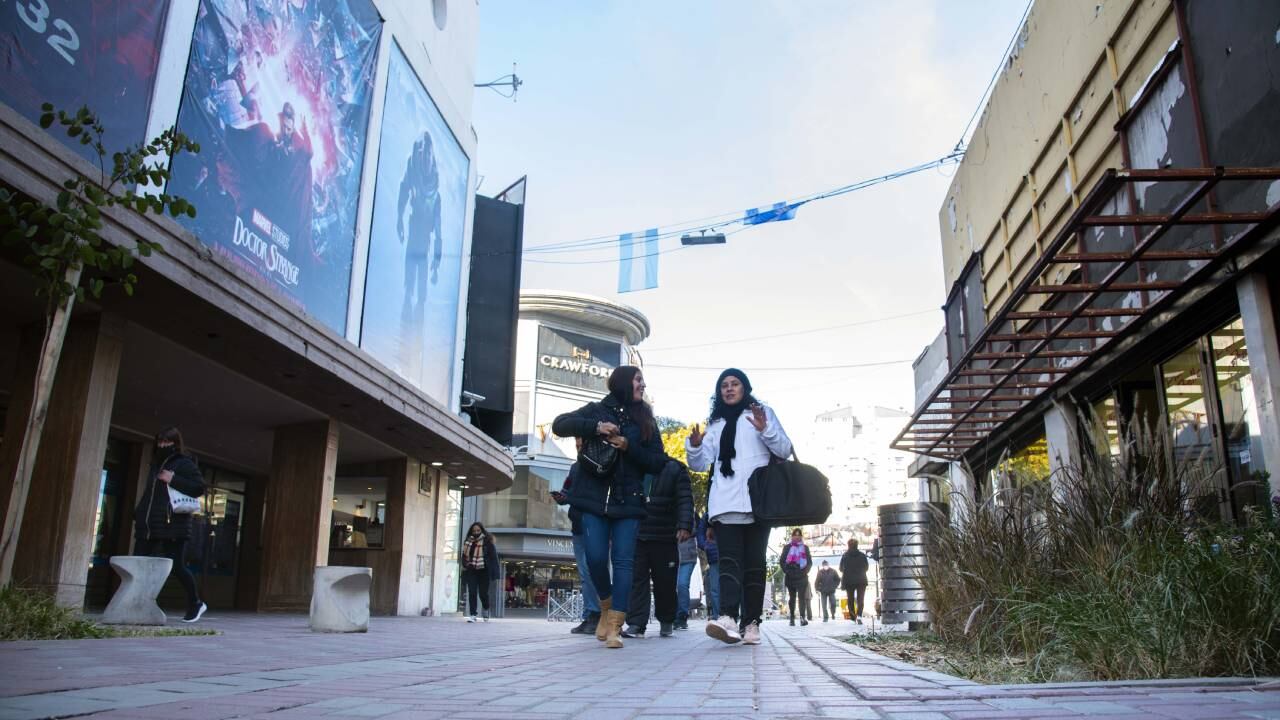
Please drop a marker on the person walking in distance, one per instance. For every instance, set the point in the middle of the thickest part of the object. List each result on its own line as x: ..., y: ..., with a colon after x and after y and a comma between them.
x: 669, y: 521
x: 707, y: 544
x: 479, y: 568
x: 613, y: 502
x: 827, y: 582
x: 742, y: 436
x: 687, y: 551
x: 158, y: 530
x: 797, y: 561
x: 590, y: 602
x: 853, y: 566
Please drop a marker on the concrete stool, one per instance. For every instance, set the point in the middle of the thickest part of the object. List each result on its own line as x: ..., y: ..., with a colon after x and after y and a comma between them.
x: 340, y: 599
x: 141, y: 580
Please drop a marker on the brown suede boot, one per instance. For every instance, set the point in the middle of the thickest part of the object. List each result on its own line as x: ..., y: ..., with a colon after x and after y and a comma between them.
x: 602, y: 627
x: 616, y: 618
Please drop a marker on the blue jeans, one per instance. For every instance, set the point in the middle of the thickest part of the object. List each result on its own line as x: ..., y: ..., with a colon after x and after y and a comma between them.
x: 590, y: 602
x: 611, y: 539
x: 713, y: 590
x: 683, y: 575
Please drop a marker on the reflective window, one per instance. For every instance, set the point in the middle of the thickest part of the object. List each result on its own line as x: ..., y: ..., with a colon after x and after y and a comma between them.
x: 528, y: 502
x: 1245, y: 466
x: 1191, y: 426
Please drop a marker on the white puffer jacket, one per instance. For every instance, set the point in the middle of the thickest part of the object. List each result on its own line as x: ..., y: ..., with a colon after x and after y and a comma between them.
x: 753, y: 450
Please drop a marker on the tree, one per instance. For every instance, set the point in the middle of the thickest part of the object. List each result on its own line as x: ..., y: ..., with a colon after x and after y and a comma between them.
x: 673, y: 441
x: 59, y: 243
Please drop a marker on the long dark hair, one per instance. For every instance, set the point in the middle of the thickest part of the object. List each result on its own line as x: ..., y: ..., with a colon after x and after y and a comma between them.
x: 719, y: 409
x: 620, y: 388
x: 173, y: 435
x: 484, y: 533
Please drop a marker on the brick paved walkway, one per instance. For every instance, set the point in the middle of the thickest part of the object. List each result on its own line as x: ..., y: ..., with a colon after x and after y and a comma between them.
x: 273, y: 668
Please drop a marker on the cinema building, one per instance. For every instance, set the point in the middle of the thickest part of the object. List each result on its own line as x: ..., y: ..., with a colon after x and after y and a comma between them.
x: 1110, y: 251
x: 305, y: 331
x: 567, y: 346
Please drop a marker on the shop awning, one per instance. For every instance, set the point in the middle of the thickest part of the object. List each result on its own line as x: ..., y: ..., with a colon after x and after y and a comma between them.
x: 1137, y: 241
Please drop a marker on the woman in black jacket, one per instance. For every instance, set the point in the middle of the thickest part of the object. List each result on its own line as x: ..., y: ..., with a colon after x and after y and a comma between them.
x: 158, y: 530
x: 613, y: 504
x: 479, y: 567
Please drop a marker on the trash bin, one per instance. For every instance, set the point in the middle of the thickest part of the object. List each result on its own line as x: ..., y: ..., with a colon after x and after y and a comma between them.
x: 904, y: 528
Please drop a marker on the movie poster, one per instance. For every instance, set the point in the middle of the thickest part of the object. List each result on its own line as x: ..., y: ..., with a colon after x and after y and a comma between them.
x: 415, y: 248
x: 278, y: 95
x: 102, y: 54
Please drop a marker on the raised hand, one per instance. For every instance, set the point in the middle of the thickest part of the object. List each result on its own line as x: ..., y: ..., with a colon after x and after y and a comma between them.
x: 696, y: 435
x: 758, y: 419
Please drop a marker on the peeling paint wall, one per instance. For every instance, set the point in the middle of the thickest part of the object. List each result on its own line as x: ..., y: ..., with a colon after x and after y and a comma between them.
x: 1048, y: 132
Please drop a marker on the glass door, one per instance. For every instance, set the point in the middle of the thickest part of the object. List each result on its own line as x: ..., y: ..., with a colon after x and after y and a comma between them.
x: 1187, y: 405
x: 1239, y: 412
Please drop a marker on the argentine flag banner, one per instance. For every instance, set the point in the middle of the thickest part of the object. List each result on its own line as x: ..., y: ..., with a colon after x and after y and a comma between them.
x: 779, y: 212
x: 638, y: 261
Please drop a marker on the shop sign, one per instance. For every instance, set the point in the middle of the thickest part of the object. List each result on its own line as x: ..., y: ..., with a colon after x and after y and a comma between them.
x: 568, y: 358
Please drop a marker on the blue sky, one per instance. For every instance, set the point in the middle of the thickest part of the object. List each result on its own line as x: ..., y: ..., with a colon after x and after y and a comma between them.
x: 636, y: 115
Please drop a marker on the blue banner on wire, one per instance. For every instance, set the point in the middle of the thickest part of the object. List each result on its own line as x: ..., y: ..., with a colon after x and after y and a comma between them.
x: 638, y: 261
x: 779, y: 212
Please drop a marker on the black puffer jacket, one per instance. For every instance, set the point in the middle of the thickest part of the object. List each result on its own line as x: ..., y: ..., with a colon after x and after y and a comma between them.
x: 621, y: 495
x: 670, y: 506
x: 153, y: 519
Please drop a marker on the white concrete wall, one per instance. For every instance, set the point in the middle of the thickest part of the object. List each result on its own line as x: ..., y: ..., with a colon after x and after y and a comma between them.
x: 419, y: 539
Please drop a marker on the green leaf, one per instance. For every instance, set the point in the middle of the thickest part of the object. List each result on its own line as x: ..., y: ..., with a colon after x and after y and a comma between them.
x: 128, y: 290
x: 46, y: 120
x: 74, y: 130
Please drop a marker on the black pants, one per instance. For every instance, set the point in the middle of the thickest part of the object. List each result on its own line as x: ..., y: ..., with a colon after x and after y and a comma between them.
x: 742, y: 549
x: 800, y: 594
x: 659, y: 561
x: 857, y: 594
x: 477, y: 583
x: 174, y: 550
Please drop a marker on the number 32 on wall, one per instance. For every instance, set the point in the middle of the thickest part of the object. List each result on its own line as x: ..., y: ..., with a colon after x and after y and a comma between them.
x: 35, y: 13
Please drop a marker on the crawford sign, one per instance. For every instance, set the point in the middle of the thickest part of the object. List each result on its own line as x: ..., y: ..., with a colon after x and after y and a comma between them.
x: 567, y: 358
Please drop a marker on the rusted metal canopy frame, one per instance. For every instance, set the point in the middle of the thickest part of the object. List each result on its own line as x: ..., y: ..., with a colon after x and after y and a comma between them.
x: 922, y: 434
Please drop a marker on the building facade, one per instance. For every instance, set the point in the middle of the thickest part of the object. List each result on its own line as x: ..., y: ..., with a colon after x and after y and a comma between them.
x: 1110, y: 252
x: 567, y: 345
x: 305, y: 330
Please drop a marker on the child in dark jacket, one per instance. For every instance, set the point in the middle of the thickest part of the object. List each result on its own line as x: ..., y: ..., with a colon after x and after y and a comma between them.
x: 668, y: 519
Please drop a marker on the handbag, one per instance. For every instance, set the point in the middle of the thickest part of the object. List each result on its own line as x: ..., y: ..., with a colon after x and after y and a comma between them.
x: 789, y: 493
x: 598, y: 457
x: 181, y: 503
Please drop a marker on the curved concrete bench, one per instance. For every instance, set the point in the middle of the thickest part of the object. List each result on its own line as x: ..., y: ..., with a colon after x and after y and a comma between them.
x: 141, y: 580
x: 340, y: 599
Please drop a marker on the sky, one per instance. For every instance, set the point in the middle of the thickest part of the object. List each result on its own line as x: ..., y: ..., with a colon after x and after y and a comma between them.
x: 636, y: 115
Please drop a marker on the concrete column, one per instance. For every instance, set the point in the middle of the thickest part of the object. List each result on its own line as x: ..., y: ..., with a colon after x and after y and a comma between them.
x: 299, y: 508
x: 1062, y: 435
x: 1258, y: 314
x: 56, y: 539
x: 416, y: 539
x: 962, y: 492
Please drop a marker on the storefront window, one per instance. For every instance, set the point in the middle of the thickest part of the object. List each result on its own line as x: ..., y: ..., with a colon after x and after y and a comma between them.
x: 1191, y: 427
x: 1234, y: 382
x: 1104, y: 427
x: 528, y: 582
x: 1023, y: 475
x: 528, y: 502
x: 452, y: 542
x: 359, y: 512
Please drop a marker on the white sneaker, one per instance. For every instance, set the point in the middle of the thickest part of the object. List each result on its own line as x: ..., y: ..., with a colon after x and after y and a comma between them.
x: 724, y: 629
x: 471, y: 619
x: 751, y: 636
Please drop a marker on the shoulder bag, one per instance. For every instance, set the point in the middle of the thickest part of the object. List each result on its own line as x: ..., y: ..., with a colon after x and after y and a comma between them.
x: 597, y: 456
x: 789, y: 493
x: 181, y: 503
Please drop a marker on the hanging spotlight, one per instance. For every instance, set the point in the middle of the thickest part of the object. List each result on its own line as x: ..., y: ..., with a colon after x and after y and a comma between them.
x: 704, y: 238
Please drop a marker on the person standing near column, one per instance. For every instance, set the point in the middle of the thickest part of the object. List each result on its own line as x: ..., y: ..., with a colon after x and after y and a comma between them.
x: 827, y: 582
x: 479, y: 568
x: 158, y: 530
x: 741, y: 437
x: 853, y: 566
x: 797, y: 561
x: 613, y: 502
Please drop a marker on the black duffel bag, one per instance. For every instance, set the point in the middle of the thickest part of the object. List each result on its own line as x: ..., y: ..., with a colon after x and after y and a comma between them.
x: 789, y: 493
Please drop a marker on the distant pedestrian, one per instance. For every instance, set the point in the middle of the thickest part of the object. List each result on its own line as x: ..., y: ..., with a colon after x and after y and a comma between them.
x: 480, y: 568
x: 711, y: 583
x: 687, y: 550
x: 669, y: 520
x: 613, y: 503
x: 853, y: 566
x: 826, y: 583
x: 742, y: 436
x: 797, y: 561
x: 590, y: 602
x: 159, y: 531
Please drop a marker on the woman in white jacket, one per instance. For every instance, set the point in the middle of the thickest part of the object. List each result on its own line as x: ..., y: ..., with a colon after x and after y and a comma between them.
x: 742, y: 435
